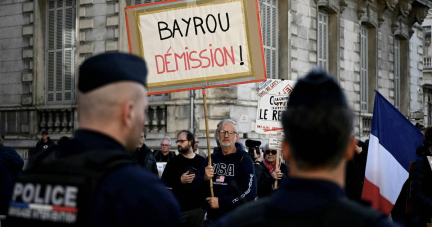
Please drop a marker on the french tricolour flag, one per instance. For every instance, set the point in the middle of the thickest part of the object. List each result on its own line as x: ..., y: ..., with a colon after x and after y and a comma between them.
x: 392, y: 145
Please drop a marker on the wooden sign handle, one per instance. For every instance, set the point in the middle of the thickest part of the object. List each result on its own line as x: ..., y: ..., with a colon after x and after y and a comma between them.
x: 208, y: 137
x: 277, y: 168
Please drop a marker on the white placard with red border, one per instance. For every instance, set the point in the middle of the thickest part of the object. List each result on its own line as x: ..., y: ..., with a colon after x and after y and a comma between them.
x: 273, y: 97
x: 190, y: 44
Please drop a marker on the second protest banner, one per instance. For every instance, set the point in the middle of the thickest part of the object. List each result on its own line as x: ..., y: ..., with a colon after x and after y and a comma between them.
x: 273, y: 97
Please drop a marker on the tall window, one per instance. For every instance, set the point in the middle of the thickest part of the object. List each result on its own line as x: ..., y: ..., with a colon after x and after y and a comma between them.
x: 323, y: 55
x: 60, y: 51
x: 364, y: 68
x: 269, y: 27
x: 397, y: 73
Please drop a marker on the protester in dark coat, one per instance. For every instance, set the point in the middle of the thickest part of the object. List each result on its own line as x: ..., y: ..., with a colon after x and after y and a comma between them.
x: 144, y: 155
x: 164, y: 155
x: 47, y: 155
x: 44, y: 143
x: 233, y: 174
x: 146, y: 159
x: 421, y: 181
x: 11, y: 165
x: 399, y: 212
x: 266, y: 173
x: 355, y: 171
x: 425, y: 148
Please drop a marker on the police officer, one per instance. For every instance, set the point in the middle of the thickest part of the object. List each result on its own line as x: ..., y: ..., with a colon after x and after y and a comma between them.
x: 313, y: 195
x: 111, y: 104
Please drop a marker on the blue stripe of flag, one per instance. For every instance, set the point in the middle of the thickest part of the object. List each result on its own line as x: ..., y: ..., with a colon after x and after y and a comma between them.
x: 16, y: 204
x: 395, y: 132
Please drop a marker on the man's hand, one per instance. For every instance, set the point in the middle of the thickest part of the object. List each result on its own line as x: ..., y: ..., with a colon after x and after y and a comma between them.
x: 209, y: 173
x: 358, y: 149
x: 213, y: 202
x: 187, y: 178
x: 277, y: 174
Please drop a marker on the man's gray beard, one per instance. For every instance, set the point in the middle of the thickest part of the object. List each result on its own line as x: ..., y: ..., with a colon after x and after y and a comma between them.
x: 223, y: 145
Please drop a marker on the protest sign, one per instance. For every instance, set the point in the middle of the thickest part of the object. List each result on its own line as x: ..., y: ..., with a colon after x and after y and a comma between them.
x: 160, y: 168
x: 273, y: 97
x: 275, y: 140
x: 191, y: 44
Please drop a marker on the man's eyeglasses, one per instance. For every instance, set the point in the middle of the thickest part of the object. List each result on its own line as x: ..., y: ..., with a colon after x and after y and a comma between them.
x: 229, y: 132
x: 165, y: 145
x: 180, y: 141
x: 273, y: 152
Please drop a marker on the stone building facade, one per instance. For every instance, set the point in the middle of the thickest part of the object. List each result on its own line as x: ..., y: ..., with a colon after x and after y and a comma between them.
x: 427, y: 69
x: 365, y: 44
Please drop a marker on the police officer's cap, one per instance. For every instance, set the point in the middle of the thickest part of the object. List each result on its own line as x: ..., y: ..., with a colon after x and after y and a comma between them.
x: 108, y: 68
x: 317, y: 88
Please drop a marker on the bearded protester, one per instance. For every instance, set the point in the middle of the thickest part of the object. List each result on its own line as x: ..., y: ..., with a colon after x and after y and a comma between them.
x: 233, y: 174
x: 180, y: 175
x: 267, y: 174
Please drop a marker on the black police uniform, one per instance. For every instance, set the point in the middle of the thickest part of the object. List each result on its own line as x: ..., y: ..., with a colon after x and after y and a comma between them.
x: 304, y: 202
x: 115, y: 190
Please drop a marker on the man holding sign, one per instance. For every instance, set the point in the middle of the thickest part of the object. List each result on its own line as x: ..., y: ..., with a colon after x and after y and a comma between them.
x: 313, y: 195
x: 232, y: 172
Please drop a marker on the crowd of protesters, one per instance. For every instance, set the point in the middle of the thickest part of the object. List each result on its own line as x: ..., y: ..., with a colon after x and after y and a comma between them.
x: 187, y: 174
x: 315, y: 183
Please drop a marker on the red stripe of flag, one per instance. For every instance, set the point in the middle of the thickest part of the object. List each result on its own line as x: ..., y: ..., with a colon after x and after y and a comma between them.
x: 65, y: 209
x: 371, y: 193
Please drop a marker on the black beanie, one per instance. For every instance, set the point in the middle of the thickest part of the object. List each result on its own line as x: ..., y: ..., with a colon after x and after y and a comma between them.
x: 317, y: 88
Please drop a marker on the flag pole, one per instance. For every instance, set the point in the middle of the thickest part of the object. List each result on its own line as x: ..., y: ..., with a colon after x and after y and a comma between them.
x: 204, y: 93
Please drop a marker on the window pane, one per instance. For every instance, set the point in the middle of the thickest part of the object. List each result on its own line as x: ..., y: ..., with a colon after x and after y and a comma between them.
x: 364, y: 69
x: 269, y: 27
x: 60, y: 49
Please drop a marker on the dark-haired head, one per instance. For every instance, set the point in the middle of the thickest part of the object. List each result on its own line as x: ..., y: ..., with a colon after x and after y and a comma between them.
x: 189, y: 136
x: 318, y: 123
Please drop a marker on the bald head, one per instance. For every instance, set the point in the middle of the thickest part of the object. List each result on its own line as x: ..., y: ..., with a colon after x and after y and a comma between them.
x: 116, y: 109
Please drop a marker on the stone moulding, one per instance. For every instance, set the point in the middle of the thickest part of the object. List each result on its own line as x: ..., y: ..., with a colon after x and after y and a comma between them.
x: 406, y: 15
x: 367, y: 13
x: 417, y: 15
x: 384, y: 5
x: 331, y: 6
x: 400, y: 28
